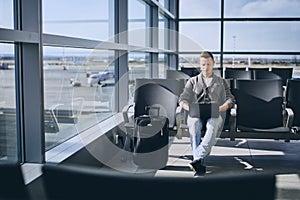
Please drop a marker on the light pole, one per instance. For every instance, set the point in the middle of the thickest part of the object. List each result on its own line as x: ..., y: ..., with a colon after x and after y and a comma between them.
x: 233, y: 60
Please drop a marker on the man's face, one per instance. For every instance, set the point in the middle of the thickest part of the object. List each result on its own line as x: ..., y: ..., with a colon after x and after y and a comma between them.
x: 206, y: 65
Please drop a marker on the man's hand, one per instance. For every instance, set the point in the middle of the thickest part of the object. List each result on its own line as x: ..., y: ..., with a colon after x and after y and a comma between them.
x: 223, y: 107
x: 185, y: 105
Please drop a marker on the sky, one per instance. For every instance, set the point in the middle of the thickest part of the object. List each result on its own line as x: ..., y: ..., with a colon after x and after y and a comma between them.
x: 75, y: 18
x: 248, y: 35
x: 240, y: 8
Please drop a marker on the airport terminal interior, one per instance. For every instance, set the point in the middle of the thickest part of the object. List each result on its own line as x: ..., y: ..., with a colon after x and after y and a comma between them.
x: 89, y: 96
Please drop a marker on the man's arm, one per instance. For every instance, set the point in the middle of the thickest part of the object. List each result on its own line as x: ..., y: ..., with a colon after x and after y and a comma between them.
x: 230, y: 99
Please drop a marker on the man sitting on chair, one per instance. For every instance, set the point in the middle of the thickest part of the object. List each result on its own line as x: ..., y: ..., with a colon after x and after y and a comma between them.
x: 205, y: 87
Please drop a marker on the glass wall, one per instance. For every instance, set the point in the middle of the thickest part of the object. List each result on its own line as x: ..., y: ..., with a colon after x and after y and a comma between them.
x: 75, y: 69
x: 79, y: 83
x: 199, y: 8
x: 92, y: 19
x: 262, y: 36
x: 163, y: 43
x: 9, y: 148
x: 193, y: 61
x: 162, y: 65
x: 138, y: 23
x: 261, y: 8
x: 163, y: 34
x: 254, y: 33
x: 196, y: 36
x: 79, y: 91
x: 260, y: 61
x: 139, y: 67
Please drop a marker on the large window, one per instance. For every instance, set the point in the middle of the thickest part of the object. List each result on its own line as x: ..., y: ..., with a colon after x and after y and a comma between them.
x: 260, y: 61
x: 252, y: 33
x: 138, y: 23
x: 163, y: 35
x: 8, y: 116
x: 79, y: 87
x: 79, y: 80
x: 199, y: 8
x: 71, y: 79
x: 196, y: 36
x: 139, y: 67
x: 262, y: 8
x: 90, y: 19
x: 162, y: 65
x: 193, y: 61
x: 261, y: 36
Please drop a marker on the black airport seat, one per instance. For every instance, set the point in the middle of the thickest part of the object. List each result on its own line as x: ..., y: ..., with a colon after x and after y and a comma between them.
x: 72, y: 182
x: 260, y: 110
x: 293, y: 101
x: 12, y: 184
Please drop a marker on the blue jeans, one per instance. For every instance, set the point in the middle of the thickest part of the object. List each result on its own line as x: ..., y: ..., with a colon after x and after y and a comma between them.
x: 202, y: 148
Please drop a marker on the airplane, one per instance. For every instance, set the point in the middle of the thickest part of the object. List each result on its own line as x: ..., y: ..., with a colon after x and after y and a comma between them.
x: 98, y: 78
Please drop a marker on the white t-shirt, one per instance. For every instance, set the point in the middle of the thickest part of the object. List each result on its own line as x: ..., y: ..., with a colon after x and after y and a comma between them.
x: 207, y: 81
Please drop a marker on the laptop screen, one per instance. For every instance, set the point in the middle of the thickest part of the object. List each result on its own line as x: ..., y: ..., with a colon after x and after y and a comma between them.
x: 204, y: 110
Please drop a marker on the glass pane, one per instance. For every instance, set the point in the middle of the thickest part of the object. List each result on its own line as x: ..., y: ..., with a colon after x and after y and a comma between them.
x: 8, y: 127
x: 163, y: 33
x: 192, y: 60
x: 90, y: 19
x: 139, y: 67
x: 79, y: 91
x: 138, y: 21
x: 262, y: 36
x: 162, y: 65
x: 196, y: 36
x: 262, y: 8
x: 6, y: 14
x: 199, y: 8
x: 262, y: 61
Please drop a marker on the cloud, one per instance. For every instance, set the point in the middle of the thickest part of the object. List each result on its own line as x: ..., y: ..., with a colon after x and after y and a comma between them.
x: 240, y: 8
x: 271, y: 8
x: 196, y: 8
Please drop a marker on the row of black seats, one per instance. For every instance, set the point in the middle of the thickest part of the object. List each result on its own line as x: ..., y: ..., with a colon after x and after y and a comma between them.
x: 260, y: 110
x: 262, y: 102
x: 82, y: 182
x: 262, y: 105
x: 264, y: 110
x: 251, y: 73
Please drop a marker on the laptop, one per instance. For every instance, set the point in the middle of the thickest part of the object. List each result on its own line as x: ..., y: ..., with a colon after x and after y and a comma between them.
x: 204, y: 110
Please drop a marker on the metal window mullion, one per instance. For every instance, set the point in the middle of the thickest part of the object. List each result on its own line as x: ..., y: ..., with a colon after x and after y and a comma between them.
x: 154, y: 41
x: 31, y: 81
x: 162, y: 10
x: 222, y: 36
x: 18, y: 90
x: 121, y: 56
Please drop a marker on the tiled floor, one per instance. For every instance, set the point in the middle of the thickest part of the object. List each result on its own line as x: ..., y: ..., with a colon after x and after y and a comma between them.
x: 243, y: 156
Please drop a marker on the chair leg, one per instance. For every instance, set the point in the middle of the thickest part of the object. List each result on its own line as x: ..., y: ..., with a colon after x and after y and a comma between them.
x: 126, y: 148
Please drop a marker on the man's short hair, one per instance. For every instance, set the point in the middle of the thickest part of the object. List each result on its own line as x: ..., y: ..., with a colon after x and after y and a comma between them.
x: 207, y: 54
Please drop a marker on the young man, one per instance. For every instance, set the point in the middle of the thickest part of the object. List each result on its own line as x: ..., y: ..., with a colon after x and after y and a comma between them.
x: 205, y: 87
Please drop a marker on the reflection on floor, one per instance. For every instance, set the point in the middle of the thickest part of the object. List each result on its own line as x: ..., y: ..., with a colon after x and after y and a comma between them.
x: 236, y: 157
x: 244, y: 156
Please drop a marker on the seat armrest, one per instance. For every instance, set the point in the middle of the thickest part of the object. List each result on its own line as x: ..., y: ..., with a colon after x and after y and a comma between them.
x: 290, y: 117
x: 125, y: 112
x: 233, y: 111
x: 129, y: 125
x: 232, y: 122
